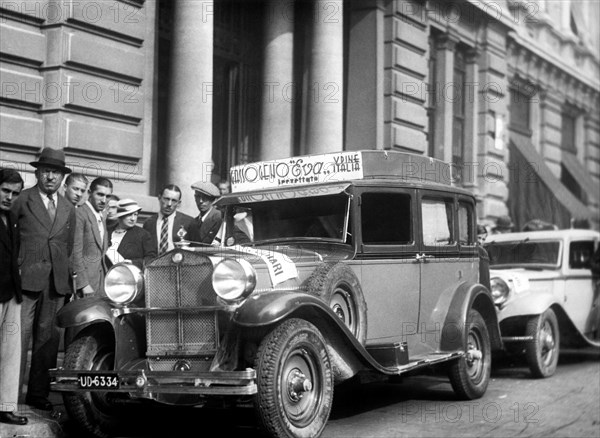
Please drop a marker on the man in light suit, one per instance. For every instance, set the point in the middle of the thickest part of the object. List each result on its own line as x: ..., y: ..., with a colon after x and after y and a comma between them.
x: 11, y: 185
x: 47, y: 223
x: 168, y: 221
x: 91, y: 240
x: 205, y: 227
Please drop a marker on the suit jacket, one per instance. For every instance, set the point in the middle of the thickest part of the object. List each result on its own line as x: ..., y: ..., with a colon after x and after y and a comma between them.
x: 45, y: 247
x: 137, y: 246
x: 10, y: 279
x: 89, y: 250
x: 204, y: 231
x: 181, y: 219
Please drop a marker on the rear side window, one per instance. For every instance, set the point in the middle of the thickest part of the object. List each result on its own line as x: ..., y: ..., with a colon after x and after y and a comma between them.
x: 580, y: 255
x: 437, y: 222
x: 386, y: 219
x: 465, y: 224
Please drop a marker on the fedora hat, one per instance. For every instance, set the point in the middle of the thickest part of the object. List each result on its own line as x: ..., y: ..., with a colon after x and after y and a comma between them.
x: 126, y: 207
x: 504, y: 223
x: 54, y: 158
x: 206, y: 188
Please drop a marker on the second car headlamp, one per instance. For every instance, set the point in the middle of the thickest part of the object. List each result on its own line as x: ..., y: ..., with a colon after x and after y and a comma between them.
x: 499, y: 291
x: 123, y: 283
x: 233, y: 279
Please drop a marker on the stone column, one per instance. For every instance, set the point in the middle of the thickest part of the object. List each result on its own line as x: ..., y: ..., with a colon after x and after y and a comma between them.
x: 279, y: 91
x: 443, y: 114
x: 189, y: 147
x: 325, y: 88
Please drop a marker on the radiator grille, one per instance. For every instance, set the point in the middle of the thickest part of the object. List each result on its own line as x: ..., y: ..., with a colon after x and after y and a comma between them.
x: 181, y: 286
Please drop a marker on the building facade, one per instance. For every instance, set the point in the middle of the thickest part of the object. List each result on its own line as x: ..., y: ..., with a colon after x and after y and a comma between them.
x: 148, y: 93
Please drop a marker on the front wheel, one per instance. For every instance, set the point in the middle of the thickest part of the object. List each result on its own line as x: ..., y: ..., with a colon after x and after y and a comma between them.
x: 542, y: 351
x: 470, y: 374
x: 91, y: 411
x: 295, y: 381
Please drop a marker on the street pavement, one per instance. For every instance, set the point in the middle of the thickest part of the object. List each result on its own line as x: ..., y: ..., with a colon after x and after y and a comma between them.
x: 515, y: 405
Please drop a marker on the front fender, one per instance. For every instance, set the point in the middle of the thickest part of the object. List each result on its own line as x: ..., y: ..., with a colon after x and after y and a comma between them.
x: 85, y: 311
x: 265, y: 309
x: 527, y: 303
x: 465, y: 297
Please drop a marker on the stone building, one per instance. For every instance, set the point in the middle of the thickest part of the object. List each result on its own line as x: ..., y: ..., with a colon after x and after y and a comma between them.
x: 150, y: 92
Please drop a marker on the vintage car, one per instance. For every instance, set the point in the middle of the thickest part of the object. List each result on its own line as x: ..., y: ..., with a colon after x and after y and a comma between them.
x: 543, y: 289
x: 330, y: 265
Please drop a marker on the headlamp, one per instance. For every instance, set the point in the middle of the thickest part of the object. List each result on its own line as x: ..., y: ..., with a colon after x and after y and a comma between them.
x: 123, y: 283
x: 499, y: 291
x: 233, y: 279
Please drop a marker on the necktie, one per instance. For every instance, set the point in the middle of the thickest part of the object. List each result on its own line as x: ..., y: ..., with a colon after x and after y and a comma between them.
x: 51, y: 208
x: 101, y: 229
x: 164, y: 239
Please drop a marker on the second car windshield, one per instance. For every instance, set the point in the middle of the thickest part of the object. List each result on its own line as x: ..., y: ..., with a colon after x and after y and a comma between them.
x: 314, y: 217
x: 526, y: 252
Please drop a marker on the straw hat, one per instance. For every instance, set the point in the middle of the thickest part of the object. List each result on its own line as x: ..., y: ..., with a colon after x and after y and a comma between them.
x: 126, y: 207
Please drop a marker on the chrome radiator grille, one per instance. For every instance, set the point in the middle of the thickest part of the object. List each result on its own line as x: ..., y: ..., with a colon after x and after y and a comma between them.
x: 174, y: 286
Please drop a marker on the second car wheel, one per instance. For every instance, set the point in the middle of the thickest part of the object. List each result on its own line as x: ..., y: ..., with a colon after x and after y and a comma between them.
x: 295, y: 381
x: 470, y: 374
x: 542, y: 351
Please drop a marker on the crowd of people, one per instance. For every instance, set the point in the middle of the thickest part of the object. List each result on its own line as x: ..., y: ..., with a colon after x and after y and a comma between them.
x: 58, y: 239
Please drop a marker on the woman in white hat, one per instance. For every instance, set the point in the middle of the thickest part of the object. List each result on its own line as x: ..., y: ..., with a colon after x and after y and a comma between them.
x: 129, y: 243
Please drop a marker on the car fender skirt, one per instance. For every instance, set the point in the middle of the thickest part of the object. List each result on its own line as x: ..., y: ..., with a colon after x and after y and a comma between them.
x: 465, y: 297
x: 84, y: 311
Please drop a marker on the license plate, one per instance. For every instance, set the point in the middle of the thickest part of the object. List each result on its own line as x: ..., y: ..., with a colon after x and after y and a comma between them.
x: 99, y: 380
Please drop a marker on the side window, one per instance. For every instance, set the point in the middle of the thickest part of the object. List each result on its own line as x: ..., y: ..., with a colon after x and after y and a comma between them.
x: 437, y: 222
x: 465, y: 224
x: 580, y: 255
x: 386, y: 219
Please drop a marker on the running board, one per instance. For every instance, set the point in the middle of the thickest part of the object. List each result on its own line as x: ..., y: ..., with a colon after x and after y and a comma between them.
x: 428, y: 360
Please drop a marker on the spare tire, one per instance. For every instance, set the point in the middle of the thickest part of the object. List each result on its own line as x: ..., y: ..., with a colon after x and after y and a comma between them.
x: 338, y: 286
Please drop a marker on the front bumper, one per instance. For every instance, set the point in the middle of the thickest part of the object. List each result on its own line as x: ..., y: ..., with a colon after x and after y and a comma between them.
x: 142, y: 383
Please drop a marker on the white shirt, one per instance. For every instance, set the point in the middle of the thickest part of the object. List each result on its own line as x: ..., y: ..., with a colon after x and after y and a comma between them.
x: 170, y: 222
x: 115, y: 241
x: 46, y: 201
x: 98, y: 220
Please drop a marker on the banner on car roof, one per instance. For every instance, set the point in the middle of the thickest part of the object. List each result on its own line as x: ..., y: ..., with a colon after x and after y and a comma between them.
x: 309, y: 169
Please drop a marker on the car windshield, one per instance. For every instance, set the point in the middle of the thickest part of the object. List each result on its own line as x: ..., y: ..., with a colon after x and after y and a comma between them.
x: 324, y: 217
x: 524, y: 253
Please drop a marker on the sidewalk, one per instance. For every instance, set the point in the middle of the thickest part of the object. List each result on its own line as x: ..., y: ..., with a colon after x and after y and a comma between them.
x: 41, y: 424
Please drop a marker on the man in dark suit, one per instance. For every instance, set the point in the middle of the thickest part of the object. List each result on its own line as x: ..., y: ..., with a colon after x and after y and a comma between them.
x: 47, y: 223
x: 11, y: 185
x: 205, y: 227
x: 164, y: 226
x: 91, y: 240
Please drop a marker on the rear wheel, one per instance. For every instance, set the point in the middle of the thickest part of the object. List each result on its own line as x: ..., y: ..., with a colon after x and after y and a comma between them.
x: 295, y: 381
x: 470, y: 374
x: 91, y: 411
x: 542, y: 351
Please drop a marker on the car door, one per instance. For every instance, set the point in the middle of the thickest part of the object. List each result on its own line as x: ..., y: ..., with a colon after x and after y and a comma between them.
x: 579, y: 287
x: 385, y: 261
x: 447, y: 256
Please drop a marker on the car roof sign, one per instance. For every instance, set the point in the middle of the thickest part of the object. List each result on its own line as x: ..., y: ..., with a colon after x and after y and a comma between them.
x: 337, y: 167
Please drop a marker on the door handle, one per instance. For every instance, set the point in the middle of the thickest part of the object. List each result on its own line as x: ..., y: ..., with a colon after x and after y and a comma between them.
x: 423, y: 257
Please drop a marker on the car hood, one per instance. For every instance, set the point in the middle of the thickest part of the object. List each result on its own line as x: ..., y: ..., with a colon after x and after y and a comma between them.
x: 531, y: 274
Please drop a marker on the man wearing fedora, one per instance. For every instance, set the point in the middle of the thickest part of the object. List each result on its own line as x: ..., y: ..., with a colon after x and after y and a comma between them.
x: 164, y: 226
x: 47, y: 224
x: 504, y: 224
x: 205, y: 226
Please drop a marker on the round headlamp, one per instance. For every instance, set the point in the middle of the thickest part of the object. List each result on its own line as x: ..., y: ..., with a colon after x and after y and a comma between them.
x: 499, y: 291
x: 123, y: 283
x: 233, y: 279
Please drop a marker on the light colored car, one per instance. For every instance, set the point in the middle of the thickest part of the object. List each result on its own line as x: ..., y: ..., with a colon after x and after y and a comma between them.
x: 544, y: 292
